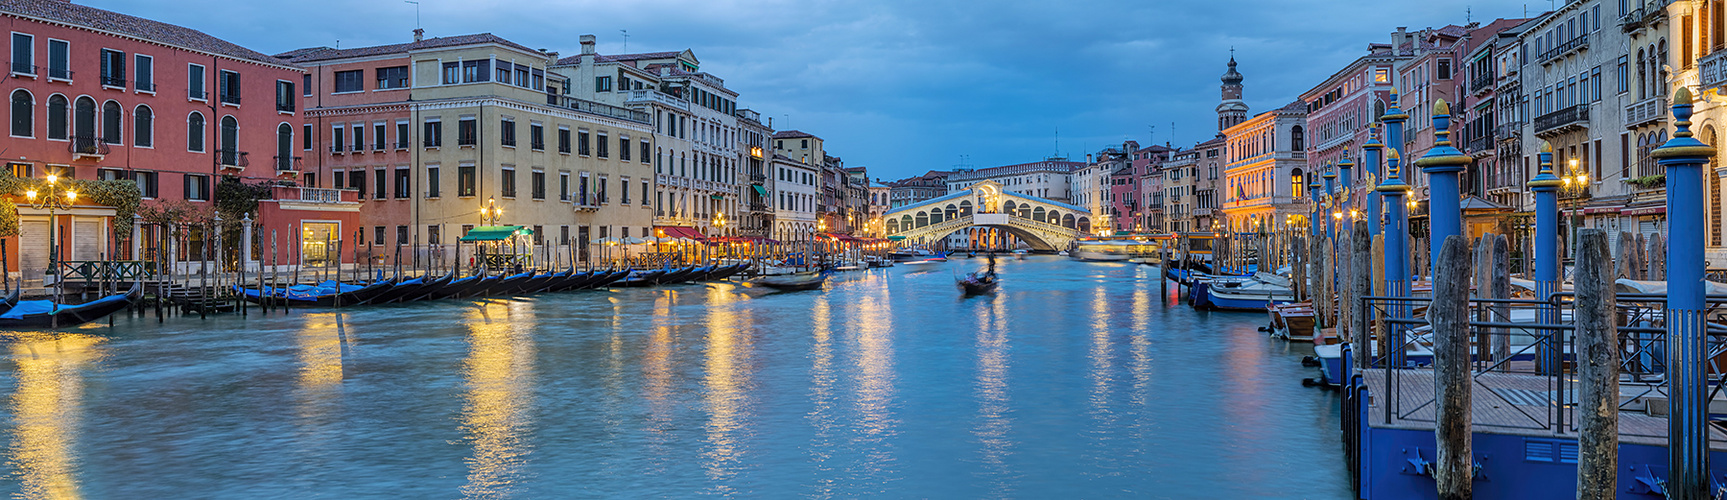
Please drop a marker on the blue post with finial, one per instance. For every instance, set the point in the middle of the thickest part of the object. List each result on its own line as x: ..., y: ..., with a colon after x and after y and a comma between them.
x: 1394, y: 119
x: 1331, y: 197
x: 1344, y: 167
x: 1373, y: 154
x: 1546, y: 262
x: 1442, y: 164
x: 1687, y: 405
x: 1396, y: 256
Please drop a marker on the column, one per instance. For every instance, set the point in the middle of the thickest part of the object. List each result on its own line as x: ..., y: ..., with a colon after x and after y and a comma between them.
x: 1396, y: 231
x: 1442, y: 164
x: 1545, y: 260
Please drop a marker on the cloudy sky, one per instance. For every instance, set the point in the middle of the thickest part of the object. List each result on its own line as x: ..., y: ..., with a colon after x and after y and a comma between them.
x: 905, y: 86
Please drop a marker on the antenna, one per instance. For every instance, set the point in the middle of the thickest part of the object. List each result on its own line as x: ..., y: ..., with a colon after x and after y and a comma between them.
x: 416, y: 13
x: 1468, y: 15
x: 1152, y: 136
x: 1058, y: 140
x: 626, y: 40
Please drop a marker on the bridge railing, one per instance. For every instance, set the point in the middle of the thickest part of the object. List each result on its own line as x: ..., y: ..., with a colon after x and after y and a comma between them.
x: 947, y: 226
x: 1014, y: 219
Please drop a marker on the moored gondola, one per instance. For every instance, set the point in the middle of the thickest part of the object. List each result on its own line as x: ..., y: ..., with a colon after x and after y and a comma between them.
x: 47, y: 314
x: 810, y: 280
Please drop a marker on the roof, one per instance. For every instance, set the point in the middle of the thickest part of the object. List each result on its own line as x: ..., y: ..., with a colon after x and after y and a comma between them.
x: 492, y: 233
x: 577, y: 59
x: 326, y: 53
x: 792, y: 134
x: 66, y: 12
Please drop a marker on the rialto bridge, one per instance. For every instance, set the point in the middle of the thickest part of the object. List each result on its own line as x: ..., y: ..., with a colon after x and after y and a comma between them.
x: 1042, y: 224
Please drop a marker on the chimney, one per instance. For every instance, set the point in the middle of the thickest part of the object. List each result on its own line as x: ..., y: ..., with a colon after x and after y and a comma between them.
x: 1397, y: 40
x: 419, y: 34
x: 588, y: 45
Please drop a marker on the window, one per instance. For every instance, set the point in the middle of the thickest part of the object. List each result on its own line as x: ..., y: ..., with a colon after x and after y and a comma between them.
x: 1595, y: 84
x: 644, y: 192
x: 338, y: 139
x: 537, y: 136
x: 582, y: 190
x: 378, y: 136
x: 23, y: 114
x: 57, y: 110
x: 143, y: 127
x: 582, y: 142
x: 23, y: 54
x: 378, y: 235
x: 195, y: 133
x: 401, y: 235
x: 563, y: 186
x: 467, y: 132
x: 59, y: 60
x: 507, y: 131
x: 285, y: 96
x: 504, y: 72
x: 465, y: 180
x: 113, y: 68
x: 603, y: 84
x: 350, y: 81
x: 624, y: 190
x: 359, y: 137
x: 230, y: 145
x: 600, y: 190
x: 111, y: 122
x: 476, y: 71
x: 507, y: 183
x: 624, y: 149
x: 563, y: 140
x: 645, y: 150
x: 197, y: 187
x: 394, y: 77
x: 452, y: 73
x: 402, y: 135
x: 195, y: 82
x: 434, y: 133
x: 537, y: 183
x: 380, y: 184
x: 306, y: 85
x: 306, y: 142
x: 1623, y: 74
x: 230, y: 87
x: 604, y: 152
x: 357, y: 182
x: 402, y: 185
x: 144, y: 73
x: 432, y: 235
x: 521, y: 76
x: 146, y: 183
x: 431, y: 181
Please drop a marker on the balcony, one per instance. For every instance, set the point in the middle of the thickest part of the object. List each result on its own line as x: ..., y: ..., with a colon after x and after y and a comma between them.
x: 1479, y: 142
x: 758, y: 178
x: 23, y: 68
x: 88, y: 146
x: 113, y: 81
x: 1575, y: 44
x: 285, y: 107
x: 599, y: 109
x: 1511, y: 130
x: 1643, y: 17
x: 656, y: 97
x: 1652, y: 110
x: 758, y: 207
x: 1564, y: 120
x: 231, y: 99
x: 1712, y: 70
x: 1481, y: 83
x: 314, y: 195
x: 229, y: 158
x: 287, y: 163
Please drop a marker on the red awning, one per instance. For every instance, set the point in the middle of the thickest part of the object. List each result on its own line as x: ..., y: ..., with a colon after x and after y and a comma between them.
x: 1644, y: 211
x: 679, y: 232
x: 1601, y: 210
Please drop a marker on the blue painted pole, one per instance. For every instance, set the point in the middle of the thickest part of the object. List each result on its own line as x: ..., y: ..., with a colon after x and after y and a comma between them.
x: 1373, y: 154
x: 1442, y: 164
x: 1546, y: 262
x: 1318, y: 215
x: 1394, y: 119
x: 1396, y: 256
x: 1344, y: 167
x: 1687, y: 404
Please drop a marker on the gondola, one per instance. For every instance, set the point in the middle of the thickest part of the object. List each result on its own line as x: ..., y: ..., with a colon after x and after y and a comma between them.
x: 11, y: 299
x: 530, y: 286
x: 609, y: 279
x: 456, y: 288
x: 491, y: 283
x: 641, y: 278
x: 810, y: 280
x: 326, y: 294
x: 47, y: 314
x: 977, y: 283
x: 413, y: 289
x: 675, y: 275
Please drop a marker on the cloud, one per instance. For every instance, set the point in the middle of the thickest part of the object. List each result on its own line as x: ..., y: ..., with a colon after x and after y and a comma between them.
x: 905, y: 86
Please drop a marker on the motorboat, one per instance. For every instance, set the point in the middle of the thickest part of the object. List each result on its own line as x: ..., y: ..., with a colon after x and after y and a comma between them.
x: 1253, y: 293
x: 1292, y: 321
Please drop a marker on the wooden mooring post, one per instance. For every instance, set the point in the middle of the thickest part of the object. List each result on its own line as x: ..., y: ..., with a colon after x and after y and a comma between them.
x: 1361, y: 262
x: 1454, y: 469
x: 1597, y: 370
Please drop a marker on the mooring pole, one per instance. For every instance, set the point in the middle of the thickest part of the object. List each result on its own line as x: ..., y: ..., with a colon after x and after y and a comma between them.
x: 1453, y: 470
x: 1545, y: 260
x: 1360, y: 273
x: 1442, y: 164
x: 1597, y: 370
x: 1396, y: 245
x: 1372, y: 157
x: 1687, y: 404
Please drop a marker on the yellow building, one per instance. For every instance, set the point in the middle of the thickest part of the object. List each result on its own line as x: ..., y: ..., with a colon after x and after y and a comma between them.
x: 1266, y: 162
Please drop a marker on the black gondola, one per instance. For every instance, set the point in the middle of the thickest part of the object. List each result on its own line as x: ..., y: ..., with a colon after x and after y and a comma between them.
x: 641, y: 278
x: 980, y: 283
x: 11, y: 299
x: 608, y: 279
x: 457, y: 288
x: 47, y: 314
x: 412, y: 289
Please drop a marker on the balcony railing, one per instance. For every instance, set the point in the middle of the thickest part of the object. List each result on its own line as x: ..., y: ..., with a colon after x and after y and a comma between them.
x: 758, y: 177
x: 758, y: 207
x: 285, y: 106
x: 598, y: 109
x: 401, y: 144
x: 88, y: 145
x: 315, y: 195
x: 1508, y: 130
x: 1481, y: 83
x: 1563, y: 120
x: 287, y: 163
x: 231, y: 99
x: 1480, y: 143
x: 1712, y: 70
x: 113, y: 81
x: 654, y: 96
x: 1646, y: 111
x: 232, y: 159
x: 1565, y: 48
x: 23, y: 68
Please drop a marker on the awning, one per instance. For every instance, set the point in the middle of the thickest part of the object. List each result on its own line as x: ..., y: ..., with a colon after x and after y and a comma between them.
x: 744, y: 239
x: 759, y: 189
x: 1601, y: 210
x: 717, y: 196
x: 494, y: 233
x: 679, y: 232
x: 896, y: 238
x: 1644, y: 211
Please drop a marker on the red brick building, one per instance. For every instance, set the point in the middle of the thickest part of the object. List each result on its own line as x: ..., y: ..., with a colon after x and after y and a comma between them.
x: 95, y: 94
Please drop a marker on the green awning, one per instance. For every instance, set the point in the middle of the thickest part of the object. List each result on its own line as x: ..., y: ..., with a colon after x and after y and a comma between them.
x: 760, y: 189
x: 895, y: 238
x: 717, y: 196
x: 494, y: 233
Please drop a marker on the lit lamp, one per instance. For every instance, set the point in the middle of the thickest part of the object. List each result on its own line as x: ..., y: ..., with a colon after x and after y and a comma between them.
x: 53, y: 198
x: 490, y: 213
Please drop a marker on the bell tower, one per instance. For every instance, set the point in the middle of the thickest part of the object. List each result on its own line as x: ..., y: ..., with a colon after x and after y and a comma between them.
x: 1232, y: 110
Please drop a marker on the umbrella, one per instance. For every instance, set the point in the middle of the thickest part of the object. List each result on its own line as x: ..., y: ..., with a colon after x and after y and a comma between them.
x: 635, y: 241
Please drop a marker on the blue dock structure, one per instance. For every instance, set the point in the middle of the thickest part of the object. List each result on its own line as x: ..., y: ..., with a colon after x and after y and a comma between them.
x: 1523, y: 421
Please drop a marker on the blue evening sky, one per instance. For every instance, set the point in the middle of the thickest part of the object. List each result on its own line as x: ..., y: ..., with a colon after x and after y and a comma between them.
x: 905, y: 86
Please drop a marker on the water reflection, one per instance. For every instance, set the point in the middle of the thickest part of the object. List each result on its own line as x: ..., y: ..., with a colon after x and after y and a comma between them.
x: 726, y: 377
x: 994, y: 423
x: 499, y: 372
x: 47, y: 411
x: 1103, y: 419
x: 871, y: 319
x: 821, y: 415
x: 659, y: 379
x: 322, y: 345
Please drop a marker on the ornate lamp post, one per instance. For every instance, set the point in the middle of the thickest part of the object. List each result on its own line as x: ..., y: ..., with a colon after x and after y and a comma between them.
x: 490, y: 213
x: 1687, y: 352
x: 52, y: 197
x: 1575, y: 186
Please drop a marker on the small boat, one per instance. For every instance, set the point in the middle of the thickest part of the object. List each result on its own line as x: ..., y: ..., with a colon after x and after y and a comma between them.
x: 11, y: 299
x: 1020, y: 254
x: 47, y: 314
x: 978, y: 283
x: 457, y: 288
x: 1252, y: 293
x: 799, y: 281
x: 1292, y: 321
x: 641, y: 278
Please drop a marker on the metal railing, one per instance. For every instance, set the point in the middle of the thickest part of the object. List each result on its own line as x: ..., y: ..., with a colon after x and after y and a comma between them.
x: 23, y: 68
x: 1481, y: 83
x: 287, y: 163
x: 113, y: 81
x: 88, y: 145
x: 598, y: 108
x: 231, y: 99
x: 1574, y: 115
x: 315, y: 195
x: 232, y: 158
x: 107, y: 270
x: 1565, y: 48
x: 285, y: 106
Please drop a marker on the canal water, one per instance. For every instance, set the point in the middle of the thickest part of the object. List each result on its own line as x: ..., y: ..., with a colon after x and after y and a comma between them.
x: 1073, y: 380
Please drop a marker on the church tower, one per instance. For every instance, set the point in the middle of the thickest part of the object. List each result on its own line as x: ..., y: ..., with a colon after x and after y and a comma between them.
x: 1232, y: 111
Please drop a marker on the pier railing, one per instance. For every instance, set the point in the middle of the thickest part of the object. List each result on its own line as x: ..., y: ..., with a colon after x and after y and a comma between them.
x: 107, y: 270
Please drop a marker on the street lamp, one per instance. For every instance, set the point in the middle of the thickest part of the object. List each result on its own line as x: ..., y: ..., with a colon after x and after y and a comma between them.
x: 53, y: 198
x: 490, y: 213
x: 1575, y: 189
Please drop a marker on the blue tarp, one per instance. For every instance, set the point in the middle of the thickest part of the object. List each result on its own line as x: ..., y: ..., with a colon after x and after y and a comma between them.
x: 29, y: 307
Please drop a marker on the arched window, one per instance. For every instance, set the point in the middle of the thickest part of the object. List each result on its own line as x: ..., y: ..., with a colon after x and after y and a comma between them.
x: 1642, y: 75
x: 23, y: 114
x: 922, y: 219
x: 1067, y: 221
x: 935, y: 216
x: 1661, y: 67
x: 285, y: 146
x: 84, y: 124
x: 57, y: 111
x: 905, y: 223
x: 143, y: 127
x: 892, y: 226
x: 1296, y: 185
x: 952, y: 212
x: 1084, y: 224
x: 1037, y: 214
x: 230, y: 140
x: 964, y: 208
x: 111, y: 122
x: 1297, y: 139
x: 195, y: 132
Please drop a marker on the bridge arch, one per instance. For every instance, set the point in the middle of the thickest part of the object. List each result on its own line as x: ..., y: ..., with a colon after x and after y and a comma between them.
x: 1067, y: 221
x: 965, y: 208
x: 1037, y: 214
x: 892, y: 225
x: 922, y: 219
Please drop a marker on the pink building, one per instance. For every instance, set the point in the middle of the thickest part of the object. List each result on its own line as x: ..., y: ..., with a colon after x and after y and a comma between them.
x: 99, y: 94
x: 1339, y: 111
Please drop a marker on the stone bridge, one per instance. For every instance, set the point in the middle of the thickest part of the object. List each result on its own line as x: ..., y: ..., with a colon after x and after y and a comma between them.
x: 1044, y: 224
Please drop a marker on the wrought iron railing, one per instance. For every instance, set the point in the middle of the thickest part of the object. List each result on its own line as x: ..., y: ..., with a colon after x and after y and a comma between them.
x: 232, y: 158
x: 88, y: 145
x: 1574, y: 115
x: 287, y: 163
x: 107, y: 270
x: 1564, y: 48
